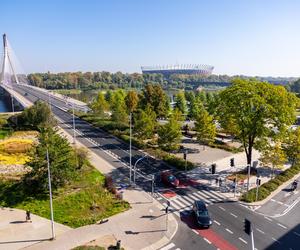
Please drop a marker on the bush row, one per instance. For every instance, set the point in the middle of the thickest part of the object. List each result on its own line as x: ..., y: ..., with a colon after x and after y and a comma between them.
x: 267, y: 188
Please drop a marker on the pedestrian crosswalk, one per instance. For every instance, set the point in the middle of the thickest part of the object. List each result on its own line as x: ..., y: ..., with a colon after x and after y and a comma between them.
x: 169, y: 247
x: 182, y: 203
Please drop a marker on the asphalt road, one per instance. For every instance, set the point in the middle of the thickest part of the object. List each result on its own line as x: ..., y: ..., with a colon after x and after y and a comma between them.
x: 227, y: 230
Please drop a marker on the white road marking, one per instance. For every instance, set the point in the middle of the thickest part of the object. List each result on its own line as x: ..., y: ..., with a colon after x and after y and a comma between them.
x: 228, y: 231
x: 235, y: 216
x: 195, y: 231
x: 260, y: 231
x: 207, y: 240
x: 297, y: 234
x: 241, y: 239
x: 222, y: 208
x: 275, y: 239
x: 282, y: 226
x: 267, y: 218
x: 218, y: 223
x: 167, y: 247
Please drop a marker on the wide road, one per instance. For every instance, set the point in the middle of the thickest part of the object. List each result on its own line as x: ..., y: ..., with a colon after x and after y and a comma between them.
x: 227, y: 230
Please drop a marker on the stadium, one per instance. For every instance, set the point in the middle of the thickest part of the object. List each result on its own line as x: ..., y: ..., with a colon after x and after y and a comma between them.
x: 186, y: 69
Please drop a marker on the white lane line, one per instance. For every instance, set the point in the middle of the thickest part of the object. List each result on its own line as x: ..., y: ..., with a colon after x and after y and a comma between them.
x: 267, y: 218
x: 282, y: 226
x: 167, y: 247
x: 281, y: 203
x: 273, y: 200
x: 222, y: 208
x: 241, y: 239
x: 207, y: 240
x: 235, y: 216
x: 297, y: 234
x: 229, y: 231
x: 218, y: 223
x: 177, y: 249
x: 159, y: 198
x: 275, y: 240
x: 195, y: 231
x: 260, y: 231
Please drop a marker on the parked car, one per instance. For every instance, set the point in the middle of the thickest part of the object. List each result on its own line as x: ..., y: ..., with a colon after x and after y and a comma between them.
x: 169, y: 179
x: 201, y: 214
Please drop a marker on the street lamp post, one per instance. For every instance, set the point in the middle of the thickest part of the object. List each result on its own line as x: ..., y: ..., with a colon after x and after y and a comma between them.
x: 134, y: 168
x: 50, y: 193
x: 73, y: 116
x: 249, y: 171
x: 130, y: 155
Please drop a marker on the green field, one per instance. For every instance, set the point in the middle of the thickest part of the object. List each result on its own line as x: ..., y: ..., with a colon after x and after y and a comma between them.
x: 83, y: 202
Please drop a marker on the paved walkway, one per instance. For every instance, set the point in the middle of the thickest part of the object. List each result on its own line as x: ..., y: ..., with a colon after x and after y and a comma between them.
x: 16, y: 233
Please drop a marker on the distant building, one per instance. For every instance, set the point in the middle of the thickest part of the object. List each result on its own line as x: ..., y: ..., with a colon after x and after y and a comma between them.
x: 186, y: 69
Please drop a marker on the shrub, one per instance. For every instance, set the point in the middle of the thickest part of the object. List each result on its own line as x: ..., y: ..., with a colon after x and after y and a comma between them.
x: 267, y: 188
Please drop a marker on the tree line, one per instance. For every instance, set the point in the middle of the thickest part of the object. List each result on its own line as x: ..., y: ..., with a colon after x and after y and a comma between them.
x: 107, y: 80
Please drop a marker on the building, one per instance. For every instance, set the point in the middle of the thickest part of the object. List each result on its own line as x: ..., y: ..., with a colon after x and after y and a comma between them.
x: 186, y: 69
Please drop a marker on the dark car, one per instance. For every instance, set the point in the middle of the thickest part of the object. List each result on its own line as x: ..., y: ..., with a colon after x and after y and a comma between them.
x: 201, y: 214
x: 169, y: 179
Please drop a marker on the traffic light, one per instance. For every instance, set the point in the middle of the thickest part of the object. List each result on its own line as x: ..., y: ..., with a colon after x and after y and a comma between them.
x: 232, y: 162
x: 247, y: 226
x: 213, y: 168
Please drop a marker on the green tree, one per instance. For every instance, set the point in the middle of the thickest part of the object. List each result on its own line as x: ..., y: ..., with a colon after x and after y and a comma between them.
x: 292, y: 146
x: 273, y: 156
x: 154, y: 96
x: 205, y: 127
x: 36, y: 117
x: 181, y: 102
x: 100, y: 105
x: 254, y: 109
x: 169, y: 135
x: 118, y: 108
x: 145, y: 123
x: 61, y: 158
x: 131, y: 101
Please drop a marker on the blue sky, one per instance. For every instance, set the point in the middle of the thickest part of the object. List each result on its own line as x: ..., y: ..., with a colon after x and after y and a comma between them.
x: 236, y: 36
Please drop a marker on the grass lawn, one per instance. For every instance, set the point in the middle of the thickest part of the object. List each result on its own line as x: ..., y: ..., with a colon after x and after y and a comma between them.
x: 82, y: 202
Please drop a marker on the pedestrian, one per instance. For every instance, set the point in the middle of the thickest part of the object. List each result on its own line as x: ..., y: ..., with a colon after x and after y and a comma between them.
x: 220, y: 182
x: 217, y: 181
x: 28, y: 217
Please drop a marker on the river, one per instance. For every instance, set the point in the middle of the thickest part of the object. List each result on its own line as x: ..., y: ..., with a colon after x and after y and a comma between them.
x: 5, y: 105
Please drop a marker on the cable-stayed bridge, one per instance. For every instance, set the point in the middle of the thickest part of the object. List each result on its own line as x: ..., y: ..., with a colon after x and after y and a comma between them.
x: 14, y: 82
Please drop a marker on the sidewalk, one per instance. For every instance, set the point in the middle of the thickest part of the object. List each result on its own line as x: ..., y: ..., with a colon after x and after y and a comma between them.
x: 141, y: 227
x: 16, y: 233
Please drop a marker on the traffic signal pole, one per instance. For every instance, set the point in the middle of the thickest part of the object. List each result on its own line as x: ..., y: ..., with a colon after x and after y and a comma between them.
x: 252, y: 240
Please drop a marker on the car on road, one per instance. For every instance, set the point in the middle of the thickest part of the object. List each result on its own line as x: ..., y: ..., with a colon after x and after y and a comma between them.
x: 201, y: 214
x: 169, y: 179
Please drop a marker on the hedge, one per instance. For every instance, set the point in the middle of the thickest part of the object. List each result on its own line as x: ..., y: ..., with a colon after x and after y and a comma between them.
x: 267, y: 188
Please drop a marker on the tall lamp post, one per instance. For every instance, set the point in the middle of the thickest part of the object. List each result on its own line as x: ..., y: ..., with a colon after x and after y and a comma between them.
x: 134, y: 168
x: 50, y: 193
x: 73, y: 117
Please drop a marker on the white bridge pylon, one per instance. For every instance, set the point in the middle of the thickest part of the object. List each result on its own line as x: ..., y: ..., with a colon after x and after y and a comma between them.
x: 8, y: 73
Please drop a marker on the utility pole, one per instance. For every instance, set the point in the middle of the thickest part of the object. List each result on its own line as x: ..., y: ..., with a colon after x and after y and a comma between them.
x: 152, y: 186
x: 248, y: 230
x: 248, y: 183
x: 185, y: 158
x: 134, y: 167
x: 130, y: 141
x: 50, y: 193
x: 74, y: 135
x: 258, y: 181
